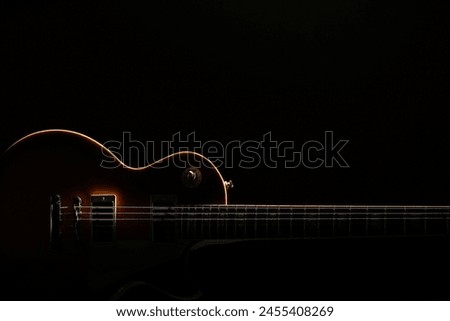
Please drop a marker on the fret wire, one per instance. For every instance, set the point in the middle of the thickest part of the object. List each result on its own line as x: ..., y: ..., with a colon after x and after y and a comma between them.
x: 244, y: 227
x: 209, y: 220
x: 255, y: 228
x: 203, y: 223
x: 278, y: 221
x: 290, y: 225
x: 448, y: 213
x: 152, y: 228
x: 240, y: 219
x: 202, y: 231
x: 218, y: 225
x: 236, y: 222
x: 267, y: 222
x: 220, y: 216
x: 304, y: 223
x: 367, y: 220
x: 350, y: 221
x: 334, y: 221
x: 206, y: 221
x: 192, y: 225
x: 404, y: 220
x: 181, y: 224
x: 318, y: 222
x: 195, y: 225
x: 226, y: 224
x: 187, y: 223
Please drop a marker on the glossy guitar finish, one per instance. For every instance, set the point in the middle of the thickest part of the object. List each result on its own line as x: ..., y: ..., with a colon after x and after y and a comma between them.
x: 66, y: 163
x: 74, y: 229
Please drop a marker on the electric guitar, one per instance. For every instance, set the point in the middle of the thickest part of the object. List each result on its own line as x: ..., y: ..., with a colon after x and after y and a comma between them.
x: 72, y: 225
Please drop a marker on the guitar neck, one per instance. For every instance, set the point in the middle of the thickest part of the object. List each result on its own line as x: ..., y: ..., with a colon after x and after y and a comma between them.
x: 302, y: 221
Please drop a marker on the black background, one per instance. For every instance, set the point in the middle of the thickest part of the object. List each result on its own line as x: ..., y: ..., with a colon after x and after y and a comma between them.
x: 373, y: 72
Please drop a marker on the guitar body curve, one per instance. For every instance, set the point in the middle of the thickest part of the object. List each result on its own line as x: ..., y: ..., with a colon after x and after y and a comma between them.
x: 72, y: 165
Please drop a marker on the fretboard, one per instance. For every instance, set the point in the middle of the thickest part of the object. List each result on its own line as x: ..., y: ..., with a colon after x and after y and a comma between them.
x: 168, y: 223
x: 301, y: 221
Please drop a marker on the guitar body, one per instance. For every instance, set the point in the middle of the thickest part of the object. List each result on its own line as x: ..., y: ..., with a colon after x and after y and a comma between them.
x: 79, y: 224
x: 68, y: 164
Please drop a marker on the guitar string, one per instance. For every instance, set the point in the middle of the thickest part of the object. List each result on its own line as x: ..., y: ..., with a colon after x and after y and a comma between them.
x: 243, y: 212
x: 254, y: 219
x: 208, y: 211
x: 257, y: 206
x: 272, y: 210
x: 273, y: 214
x: 242, y: 217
